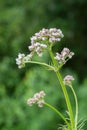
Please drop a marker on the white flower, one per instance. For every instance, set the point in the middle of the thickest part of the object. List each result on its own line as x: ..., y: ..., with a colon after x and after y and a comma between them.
x: 52, y: 35
x: 42, y: 94
x: 38, y: 99
x: 20, y: 60
x: 40, y: 103
x: 38, y: 41
x: 38, y: 48
x: 65, y: 52
x: 58, y: 57
x: 71, y: 54
x: 68, y: 79
x: 64, y: 56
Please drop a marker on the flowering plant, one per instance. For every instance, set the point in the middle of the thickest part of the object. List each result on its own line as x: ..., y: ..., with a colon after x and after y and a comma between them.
x: 45, y: 40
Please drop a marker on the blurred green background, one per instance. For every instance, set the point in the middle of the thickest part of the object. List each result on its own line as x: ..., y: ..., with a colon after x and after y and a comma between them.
x: 19, y: 20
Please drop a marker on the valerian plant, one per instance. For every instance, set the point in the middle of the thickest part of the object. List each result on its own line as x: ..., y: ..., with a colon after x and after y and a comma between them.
x: 45, y: 40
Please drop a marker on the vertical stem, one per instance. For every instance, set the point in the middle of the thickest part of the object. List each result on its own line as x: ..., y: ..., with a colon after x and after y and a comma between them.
x: 76, y: 117
x: 64, y: 90
x: 66, y: 98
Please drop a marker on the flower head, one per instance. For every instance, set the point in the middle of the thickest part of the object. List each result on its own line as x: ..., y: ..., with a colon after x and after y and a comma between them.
x: 38, y: 48
x: 38, y: 99
x: 40, y: 103
x: 64, y: 56
x: 52, y: 35
x: 68, y: 80
x: 20, y: 60
x: 38, y: 41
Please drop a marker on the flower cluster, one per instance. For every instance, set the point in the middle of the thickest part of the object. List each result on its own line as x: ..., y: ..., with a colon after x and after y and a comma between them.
x: 64, y: 56
x: 37, y: 47
x: 20, y: 60
x: 38, y: 41
x: 38, y: 99
x: 52, y: 35
x: 68, y: 79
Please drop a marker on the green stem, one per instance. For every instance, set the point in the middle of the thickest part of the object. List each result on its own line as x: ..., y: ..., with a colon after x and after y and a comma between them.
x: 59, y: 114
x: 64, y: 89
x: 66, y: 98
x: 76, y: 117
x: 40, y: 63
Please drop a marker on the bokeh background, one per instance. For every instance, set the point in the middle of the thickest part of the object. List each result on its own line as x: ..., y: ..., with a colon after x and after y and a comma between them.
x: 19, y: 20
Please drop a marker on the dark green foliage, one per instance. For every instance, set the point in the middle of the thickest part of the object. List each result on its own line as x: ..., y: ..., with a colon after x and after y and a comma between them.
x: 19, y: 20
